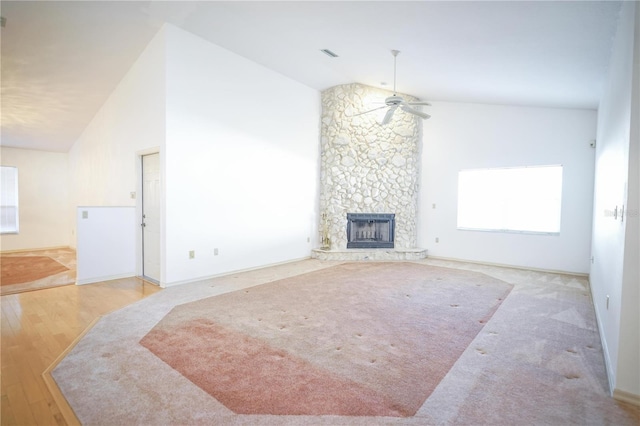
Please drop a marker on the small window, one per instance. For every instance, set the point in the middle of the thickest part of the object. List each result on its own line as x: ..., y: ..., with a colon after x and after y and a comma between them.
x: 8, y: 200
x: 518, y: 199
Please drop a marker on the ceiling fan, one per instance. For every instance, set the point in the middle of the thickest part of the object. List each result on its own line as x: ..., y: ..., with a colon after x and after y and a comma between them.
x: 394, y: 102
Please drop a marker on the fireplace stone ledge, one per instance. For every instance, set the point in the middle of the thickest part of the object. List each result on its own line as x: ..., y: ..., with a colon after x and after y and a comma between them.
x: 370, y: 254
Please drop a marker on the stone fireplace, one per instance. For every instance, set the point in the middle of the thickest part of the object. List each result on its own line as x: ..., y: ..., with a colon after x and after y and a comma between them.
x: 367, y: 168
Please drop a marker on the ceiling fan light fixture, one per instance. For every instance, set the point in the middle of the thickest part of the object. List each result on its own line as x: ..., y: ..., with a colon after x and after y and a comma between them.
x: 395, y: 101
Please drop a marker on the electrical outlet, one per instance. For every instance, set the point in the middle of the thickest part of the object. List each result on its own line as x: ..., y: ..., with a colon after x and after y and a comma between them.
x: 133, y: 195
x: 437, y: 240
x: 215, y: 251
x: 85, y: 214
x: 192, y: 254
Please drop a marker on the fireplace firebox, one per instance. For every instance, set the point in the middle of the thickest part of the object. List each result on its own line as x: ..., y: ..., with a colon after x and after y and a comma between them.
x: 370, y: 230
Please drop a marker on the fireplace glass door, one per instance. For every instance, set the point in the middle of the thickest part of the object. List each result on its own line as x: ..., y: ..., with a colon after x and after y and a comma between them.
x: 370, y: 230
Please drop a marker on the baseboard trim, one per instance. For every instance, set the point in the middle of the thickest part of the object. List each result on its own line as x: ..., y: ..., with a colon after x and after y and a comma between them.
x: 605, y: 349
x: 106, y: 278
x: 236, y: 271
x: 504, y: 265
x: 35, y: 249
x: 627, y: 397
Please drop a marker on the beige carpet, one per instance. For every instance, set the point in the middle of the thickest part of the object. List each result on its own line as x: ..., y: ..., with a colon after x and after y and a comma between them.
x: 536, y: 361
x: 359, y: 339
x: 37, y: 269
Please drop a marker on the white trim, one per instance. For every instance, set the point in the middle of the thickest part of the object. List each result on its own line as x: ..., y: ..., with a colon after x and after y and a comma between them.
x: 236, y: 271
x: 504, y: 265
x: 148, y: 151
x: 139, y: 209
x: 35, y: 249
x: 611, y: 380
x: 509, y: 231
x: 628, y: 397
x: 106, y: 278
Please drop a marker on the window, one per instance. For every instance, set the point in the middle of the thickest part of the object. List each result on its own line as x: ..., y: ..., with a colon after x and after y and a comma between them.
x: 8, y: 200
x: 518, y: 199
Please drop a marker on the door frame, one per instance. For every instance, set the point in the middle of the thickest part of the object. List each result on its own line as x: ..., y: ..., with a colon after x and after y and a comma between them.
x: 139, y: 210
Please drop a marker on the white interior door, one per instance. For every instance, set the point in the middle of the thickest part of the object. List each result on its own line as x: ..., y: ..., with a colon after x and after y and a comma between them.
x: 151, y: 217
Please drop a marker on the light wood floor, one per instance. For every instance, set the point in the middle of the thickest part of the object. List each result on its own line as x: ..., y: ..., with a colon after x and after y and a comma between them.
x: 37, y: 326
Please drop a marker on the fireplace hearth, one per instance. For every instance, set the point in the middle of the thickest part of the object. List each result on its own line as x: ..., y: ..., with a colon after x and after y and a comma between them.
x: 370, y: 230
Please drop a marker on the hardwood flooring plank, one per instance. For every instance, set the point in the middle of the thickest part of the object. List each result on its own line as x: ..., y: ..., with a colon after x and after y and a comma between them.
x: 10, y: 320
x: 6, y: 415
x: 42, y: 413
x: 20, y: 406
x: 28, y: 380
x: 9, y: 375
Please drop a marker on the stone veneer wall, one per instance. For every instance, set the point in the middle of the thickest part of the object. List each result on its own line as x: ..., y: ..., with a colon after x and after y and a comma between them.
x: 366, y: 167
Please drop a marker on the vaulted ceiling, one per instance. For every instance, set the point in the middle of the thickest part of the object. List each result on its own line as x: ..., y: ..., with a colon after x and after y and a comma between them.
x: 62, y: 59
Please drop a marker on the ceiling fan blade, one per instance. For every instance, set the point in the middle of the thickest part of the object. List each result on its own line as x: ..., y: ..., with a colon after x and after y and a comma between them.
x: 388, y: 115
x: 418, y: 103
x: 415, y: 111
x: 367, y: 112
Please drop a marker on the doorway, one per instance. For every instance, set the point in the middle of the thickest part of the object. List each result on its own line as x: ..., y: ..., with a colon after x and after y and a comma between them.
x: 151, y: 217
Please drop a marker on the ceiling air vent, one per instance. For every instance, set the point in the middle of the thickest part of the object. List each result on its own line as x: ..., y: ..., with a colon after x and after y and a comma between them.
x: 329, y: 53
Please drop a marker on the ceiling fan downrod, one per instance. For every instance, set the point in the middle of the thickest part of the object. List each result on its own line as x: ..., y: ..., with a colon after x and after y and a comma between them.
x: 395, y: 57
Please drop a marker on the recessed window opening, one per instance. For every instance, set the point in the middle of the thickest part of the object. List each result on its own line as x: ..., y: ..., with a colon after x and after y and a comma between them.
x: 514, y: 199
x: 8, y: 200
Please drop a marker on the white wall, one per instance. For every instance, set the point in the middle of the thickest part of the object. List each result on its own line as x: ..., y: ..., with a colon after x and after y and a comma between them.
x: 103, y: 162
x: 465, y: 136
x: 43, y: 195
x: 236, y: 140
x: 241, y: 162
x: 614, y: 271
x: 628, y: 379
x: 115, y: 255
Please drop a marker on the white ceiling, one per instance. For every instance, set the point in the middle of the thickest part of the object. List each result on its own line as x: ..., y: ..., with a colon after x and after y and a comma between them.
x: 61, y: 59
